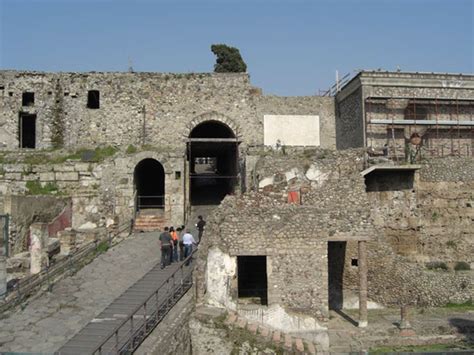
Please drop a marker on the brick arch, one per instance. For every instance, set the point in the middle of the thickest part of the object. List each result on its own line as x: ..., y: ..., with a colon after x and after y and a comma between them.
x: 212, y: 116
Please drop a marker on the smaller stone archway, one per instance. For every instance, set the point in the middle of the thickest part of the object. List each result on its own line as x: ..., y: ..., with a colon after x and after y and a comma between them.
x: 149, y: 184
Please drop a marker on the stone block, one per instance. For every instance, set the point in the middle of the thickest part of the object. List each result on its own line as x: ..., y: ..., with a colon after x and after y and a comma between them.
x: 13, y: 176
x: 252, y: 328
x: 288, y: 342
x: 241, y: 323
x: 276, y: 338
x: 82, y: 167
x: 299, y: 345
x: 49, y: 176
x: 67, y: 176
x: 231, y: 318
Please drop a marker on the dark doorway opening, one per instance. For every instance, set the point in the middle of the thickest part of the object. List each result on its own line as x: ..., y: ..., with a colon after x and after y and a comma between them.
x: 27, y: 130
x: 252, y: 279
x: 149, y: 177
x: 93, y: 99
x: 336, y: 259
x: 212, y: 154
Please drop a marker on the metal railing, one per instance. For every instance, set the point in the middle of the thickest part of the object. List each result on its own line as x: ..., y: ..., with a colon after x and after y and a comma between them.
x: 130, y: 333
x: 53, y: 273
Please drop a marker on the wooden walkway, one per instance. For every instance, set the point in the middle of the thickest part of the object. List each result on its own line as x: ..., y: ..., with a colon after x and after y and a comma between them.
x: 123, y: 325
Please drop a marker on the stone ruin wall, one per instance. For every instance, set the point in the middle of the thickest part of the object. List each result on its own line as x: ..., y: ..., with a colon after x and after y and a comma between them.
x: 153, y: 112
x: 144, y: 108
x: 98, y: 190
x: 135, y: 108
x: 349, y: 122
x: 334, y: 201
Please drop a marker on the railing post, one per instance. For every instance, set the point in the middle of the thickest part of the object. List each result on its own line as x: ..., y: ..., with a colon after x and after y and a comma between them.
x: 116, y: 342
x: 144, y: 316
x: 132, y: 337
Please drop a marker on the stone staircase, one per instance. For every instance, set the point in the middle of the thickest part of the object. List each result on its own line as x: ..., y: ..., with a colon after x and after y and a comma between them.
x: 289, y: 344
x: 148, y: 222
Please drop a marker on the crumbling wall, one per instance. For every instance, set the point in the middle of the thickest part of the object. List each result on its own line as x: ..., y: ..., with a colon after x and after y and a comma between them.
x: 334, y: 201
x: 26, y: 210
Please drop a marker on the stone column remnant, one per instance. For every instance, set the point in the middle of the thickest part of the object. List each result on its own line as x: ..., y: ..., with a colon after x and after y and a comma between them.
x: 36, y: 254
x: 362, y: 284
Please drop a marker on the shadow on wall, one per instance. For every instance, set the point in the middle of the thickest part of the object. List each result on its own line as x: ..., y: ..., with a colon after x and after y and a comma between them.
x: 465, y: 327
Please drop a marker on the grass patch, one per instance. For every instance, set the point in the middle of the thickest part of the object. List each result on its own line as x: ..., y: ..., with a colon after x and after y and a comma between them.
x: 466, y: 306
x: 35, y: 188
x: 131, y: 149
x: 92, y: 155
x: 419, y: 348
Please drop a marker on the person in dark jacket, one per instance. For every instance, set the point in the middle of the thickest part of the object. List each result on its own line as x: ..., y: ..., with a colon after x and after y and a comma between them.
x: 200, y: 226
x: 166, y: 244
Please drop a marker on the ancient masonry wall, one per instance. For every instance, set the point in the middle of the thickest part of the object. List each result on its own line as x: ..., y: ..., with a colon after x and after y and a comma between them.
x: 293, y: 237
x: 334, y: 202
x: 142, y: 108
x: 349, y: 123
x: 98, y: 190
x: 172, y: 335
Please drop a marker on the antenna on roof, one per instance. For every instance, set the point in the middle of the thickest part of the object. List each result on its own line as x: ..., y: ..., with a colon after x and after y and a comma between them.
x: 130, y: 67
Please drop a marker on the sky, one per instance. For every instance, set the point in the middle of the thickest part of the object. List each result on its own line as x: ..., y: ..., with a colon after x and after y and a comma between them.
x: 291, y: 47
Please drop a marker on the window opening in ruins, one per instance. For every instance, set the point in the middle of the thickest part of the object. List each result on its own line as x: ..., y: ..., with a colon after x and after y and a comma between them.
x: 177, y: 175
x: 28, y: 99
x: 389, y: 180
x: 27, y: 130
x: 354, y: 262
x: 93, y: 99
x: 252, y: 279
x: 212, y: 154
x: 149, y: 179
x: 416, y: 111
x: 336, y: 260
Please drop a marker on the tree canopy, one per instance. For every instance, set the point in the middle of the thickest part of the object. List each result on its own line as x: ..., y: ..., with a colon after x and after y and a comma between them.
x: 228, y: 59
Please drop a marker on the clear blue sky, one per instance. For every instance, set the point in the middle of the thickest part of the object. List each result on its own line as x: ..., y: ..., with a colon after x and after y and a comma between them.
x: 291, y: 47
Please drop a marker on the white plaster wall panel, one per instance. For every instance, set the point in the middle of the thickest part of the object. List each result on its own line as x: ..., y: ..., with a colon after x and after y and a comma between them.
x: 291, y: 130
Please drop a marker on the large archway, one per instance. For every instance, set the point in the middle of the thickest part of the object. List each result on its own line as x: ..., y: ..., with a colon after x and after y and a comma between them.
x: 149, y: 180
x: 212, y: 154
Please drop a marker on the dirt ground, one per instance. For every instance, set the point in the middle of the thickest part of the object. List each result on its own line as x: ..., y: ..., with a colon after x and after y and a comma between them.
x: 430, y: 326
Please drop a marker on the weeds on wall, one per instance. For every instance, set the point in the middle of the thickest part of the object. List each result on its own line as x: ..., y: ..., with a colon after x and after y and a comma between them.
x: 35, y: 188
x: 131, y: 149
x: 451, y: 244
x: 466, y: 306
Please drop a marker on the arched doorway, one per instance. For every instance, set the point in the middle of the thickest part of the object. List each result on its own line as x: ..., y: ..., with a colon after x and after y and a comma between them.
x: 212, y: 154
x: 149, y: 178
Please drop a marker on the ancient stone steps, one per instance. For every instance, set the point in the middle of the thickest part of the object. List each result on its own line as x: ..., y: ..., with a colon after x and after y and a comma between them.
x: 149, y: 223
x: 290, y: 344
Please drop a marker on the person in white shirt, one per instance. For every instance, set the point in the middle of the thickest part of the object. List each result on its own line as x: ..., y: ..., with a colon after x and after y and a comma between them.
x: 188, y: 241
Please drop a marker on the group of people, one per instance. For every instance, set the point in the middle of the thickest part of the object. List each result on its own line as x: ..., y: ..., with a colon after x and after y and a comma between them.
x: 181, y: 239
